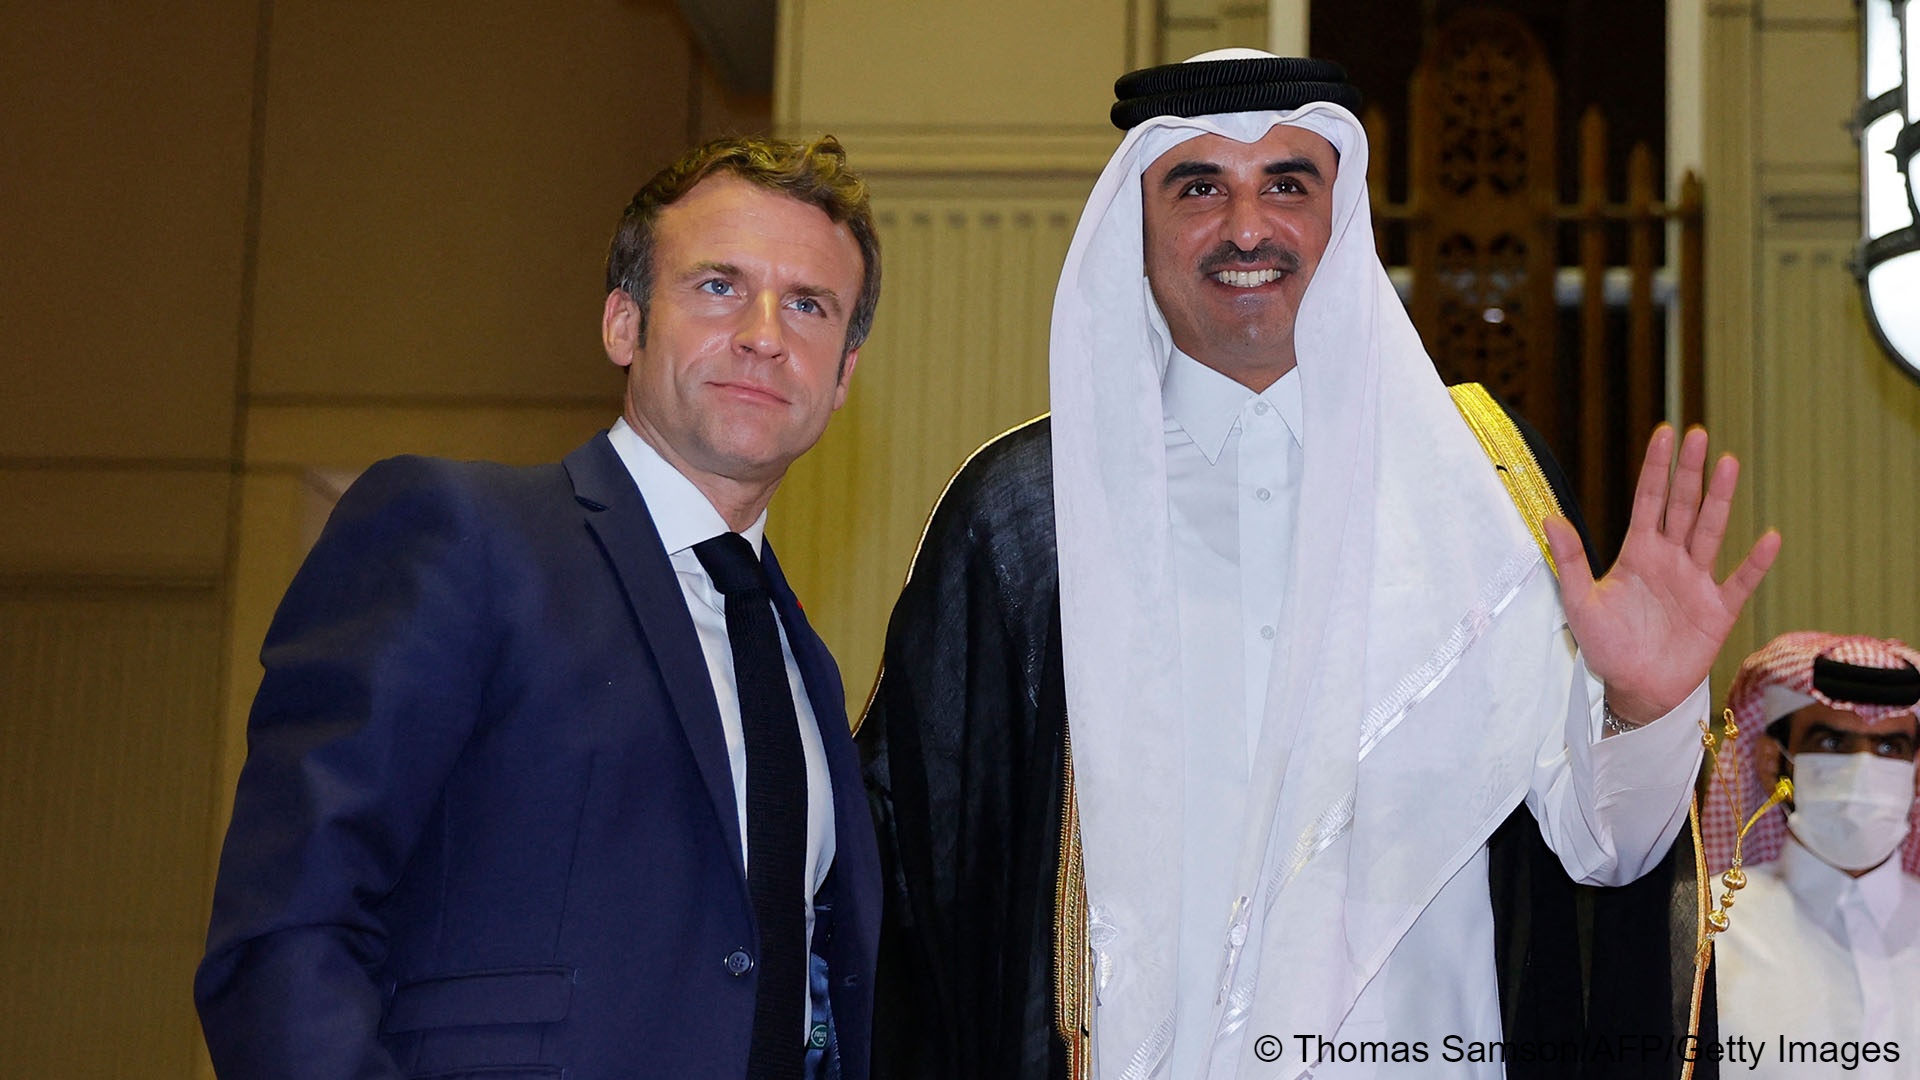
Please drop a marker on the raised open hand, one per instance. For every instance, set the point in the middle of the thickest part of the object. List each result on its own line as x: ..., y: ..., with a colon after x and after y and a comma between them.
x: 1651, y: 628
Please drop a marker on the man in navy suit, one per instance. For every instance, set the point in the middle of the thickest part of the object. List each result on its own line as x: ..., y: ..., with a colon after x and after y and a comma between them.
x: 521, y: 798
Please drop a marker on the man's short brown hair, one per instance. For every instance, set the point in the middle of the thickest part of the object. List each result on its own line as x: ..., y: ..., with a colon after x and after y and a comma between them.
x: 816, y: 173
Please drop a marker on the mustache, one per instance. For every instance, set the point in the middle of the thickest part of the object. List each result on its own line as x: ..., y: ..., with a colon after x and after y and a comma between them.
x: 1266, y: 253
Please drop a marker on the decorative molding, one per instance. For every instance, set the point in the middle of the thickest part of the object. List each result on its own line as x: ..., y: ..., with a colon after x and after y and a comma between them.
x: 1067, y: 150
x: 437, y: 402
x: 16, y: 585
x: 110, y: 463
x: 1805, y: 10
x: 114, y: 522
x: 1804, y: 23
x: 1789, y: 207
x: 1808, y: 15
x: 355, y: 435
x: 1839, y: 175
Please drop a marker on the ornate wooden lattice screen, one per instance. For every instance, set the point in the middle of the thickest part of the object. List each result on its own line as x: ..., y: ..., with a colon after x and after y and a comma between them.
x: 1481, y: 243
x: 1511, y: 287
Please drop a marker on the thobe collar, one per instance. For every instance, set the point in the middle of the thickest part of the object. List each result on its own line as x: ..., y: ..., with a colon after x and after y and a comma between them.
x: 1821, y: 888
x: 1207, y: 404
x: 680, y: 512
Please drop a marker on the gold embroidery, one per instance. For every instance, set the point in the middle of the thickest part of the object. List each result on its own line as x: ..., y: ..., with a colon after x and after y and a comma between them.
x: 1519, y: 470
x: 1527, y: 486
x: 1072, y: 960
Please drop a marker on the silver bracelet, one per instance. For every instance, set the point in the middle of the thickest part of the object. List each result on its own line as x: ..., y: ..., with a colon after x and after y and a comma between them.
x: 1612, y: 723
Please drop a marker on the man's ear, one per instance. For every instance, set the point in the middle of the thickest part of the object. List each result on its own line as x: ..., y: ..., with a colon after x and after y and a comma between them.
x: 1766, y: 761
x: 620, y: 328
x: 846, y: 377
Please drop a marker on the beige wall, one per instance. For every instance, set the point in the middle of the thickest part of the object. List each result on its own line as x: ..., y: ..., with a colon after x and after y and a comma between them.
x: 981, y: 148
x: 250, y: 247
x: 1191, y: 27
x: 1828, y: 430
x: 126, y: 135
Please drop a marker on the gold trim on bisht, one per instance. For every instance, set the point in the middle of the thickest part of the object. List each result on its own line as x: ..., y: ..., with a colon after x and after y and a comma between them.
x: 1511, y: 456
x: 1526, y: 484
x: 1531, y: 494
x: 1072, y: 959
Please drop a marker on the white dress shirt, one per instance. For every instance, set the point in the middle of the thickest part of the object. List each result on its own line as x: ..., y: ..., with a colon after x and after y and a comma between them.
x: 1233, y: 473
x: 684, y: 517
x: 1814, y: 954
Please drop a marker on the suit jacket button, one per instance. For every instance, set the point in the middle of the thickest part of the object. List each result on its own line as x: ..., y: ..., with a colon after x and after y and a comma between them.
x: 738, y: 962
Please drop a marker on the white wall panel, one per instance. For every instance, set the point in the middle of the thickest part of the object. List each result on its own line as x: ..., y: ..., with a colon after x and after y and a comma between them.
x: 107, y: 727
x: 957, y: 356
x: 1839, y: 459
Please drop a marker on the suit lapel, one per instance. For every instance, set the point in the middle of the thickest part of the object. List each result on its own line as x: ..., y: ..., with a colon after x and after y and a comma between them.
x: 618, y: 518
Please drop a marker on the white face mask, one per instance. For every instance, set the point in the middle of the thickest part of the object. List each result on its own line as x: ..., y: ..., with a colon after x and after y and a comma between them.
x: 1850, y: 809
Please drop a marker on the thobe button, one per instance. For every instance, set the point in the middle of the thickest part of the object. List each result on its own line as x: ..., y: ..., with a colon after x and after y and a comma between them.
x: 738, y: 962
x: 1260, y: 407
x: 1263, y: 494
x: 1267, y: 632
x: 1237, y: 936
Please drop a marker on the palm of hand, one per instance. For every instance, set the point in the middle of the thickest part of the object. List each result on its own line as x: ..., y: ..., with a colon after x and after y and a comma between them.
x: 1651, y: 628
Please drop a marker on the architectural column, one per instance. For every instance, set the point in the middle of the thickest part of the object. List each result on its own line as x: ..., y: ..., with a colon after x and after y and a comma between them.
x: 1287, y: 23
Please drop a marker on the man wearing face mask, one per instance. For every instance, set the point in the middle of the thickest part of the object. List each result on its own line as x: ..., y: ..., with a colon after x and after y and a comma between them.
x: 1831, y: 906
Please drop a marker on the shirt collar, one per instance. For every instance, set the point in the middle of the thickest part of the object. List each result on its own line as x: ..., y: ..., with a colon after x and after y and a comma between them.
x: 1821, y: 887
x: 1881, y: 888
x: 681, y: 514
x: 1207, y: 404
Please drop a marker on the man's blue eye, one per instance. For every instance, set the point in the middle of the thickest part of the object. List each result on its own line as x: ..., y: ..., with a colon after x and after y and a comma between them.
x: 717, y: 287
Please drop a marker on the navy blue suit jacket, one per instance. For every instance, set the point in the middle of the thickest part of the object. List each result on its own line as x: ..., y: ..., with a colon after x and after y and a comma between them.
x: 486, y: 824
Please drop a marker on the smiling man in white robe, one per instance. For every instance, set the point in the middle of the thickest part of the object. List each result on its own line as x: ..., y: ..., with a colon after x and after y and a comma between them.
x: 1207, y: 696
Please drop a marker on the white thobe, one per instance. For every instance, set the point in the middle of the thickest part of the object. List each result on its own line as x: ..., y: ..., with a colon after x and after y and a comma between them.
x: 1233, y: 476
x: 683, y: 517
x: 1816, y: 955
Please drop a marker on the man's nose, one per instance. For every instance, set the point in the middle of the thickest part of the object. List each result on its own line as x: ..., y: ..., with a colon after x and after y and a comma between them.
x: 761, y: 333
x: 1247, y: 224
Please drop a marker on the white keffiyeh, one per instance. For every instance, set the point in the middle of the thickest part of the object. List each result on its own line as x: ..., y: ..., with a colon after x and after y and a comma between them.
x: 1400, y: 721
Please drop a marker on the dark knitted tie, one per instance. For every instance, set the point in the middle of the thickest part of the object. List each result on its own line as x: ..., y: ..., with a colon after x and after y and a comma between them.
x: 776, y: 805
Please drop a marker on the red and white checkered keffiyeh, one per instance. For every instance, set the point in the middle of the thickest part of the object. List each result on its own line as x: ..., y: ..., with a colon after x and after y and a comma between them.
x: 1773, y: 682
